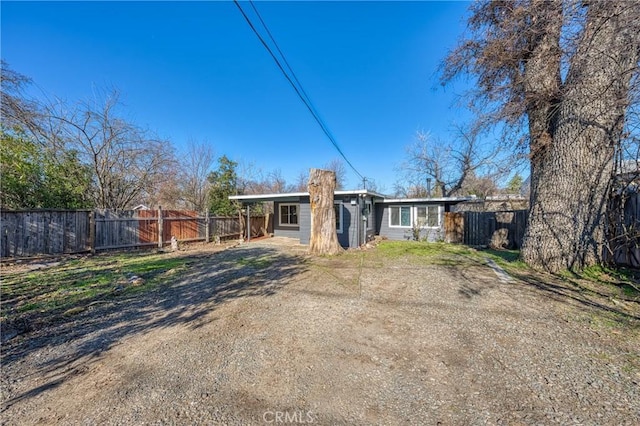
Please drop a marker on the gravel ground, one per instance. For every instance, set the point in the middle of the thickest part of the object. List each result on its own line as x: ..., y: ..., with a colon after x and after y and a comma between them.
x: 263, y: 334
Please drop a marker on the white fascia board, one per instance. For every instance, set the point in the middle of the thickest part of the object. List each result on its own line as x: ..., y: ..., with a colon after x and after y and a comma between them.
x: 427, y: 200
x: 261, y: 197
x: 270, y: 197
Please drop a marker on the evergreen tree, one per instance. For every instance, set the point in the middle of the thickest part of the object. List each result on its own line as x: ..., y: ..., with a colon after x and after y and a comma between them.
x: 224, y: 182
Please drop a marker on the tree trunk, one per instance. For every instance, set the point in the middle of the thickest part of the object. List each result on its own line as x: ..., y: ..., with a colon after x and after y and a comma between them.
x: 572, y: 152
x: 324, y: 239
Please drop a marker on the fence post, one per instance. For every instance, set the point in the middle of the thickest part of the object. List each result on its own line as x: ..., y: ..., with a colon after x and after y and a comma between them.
x: 160, y: 239
x: 206, y: 227
x: 92, y: 231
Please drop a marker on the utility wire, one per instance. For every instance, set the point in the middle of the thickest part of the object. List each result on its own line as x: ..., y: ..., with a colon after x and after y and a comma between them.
x: 299, y: 90
x: 284, y: 58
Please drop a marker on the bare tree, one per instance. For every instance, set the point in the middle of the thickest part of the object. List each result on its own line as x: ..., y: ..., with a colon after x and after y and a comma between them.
x: 373, y: 185
x: 481, y: 186
x: 565, y: 72
x: 167, y: 192
x: 126, y: 161
x: 253, y: 180
x: 195, y: 167
x: 16, y: 111
x: 301, y: 182
x: 435, y: 168
x: 36, y: 171
x: 338, y: 167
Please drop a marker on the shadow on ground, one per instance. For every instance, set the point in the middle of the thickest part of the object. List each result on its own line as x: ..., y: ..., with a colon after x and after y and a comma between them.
x: 211, y: 280
x: 571, y: 293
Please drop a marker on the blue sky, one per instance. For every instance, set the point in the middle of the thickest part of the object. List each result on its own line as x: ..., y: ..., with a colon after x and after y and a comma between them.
x: 195, y: 70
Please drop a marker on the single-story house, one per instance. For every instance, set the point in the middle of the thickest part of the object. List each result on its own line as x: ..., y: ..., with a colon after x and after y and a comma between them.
x: 360, y: 215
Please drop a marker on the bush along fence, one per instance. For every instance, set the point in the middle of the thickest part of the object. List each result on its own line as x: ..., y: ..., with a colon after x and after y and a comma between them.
x: 28, y: 233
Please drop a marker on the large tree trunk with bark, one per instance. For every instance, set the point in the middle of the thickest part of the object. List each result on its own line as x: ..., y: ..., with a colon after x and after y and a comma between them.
x: 324, y: 239
x: 573, y: 136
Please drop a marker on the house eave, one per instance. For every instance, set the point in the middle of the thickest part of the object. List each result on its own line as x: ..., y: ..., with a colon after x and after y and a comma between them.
x: 268, y: 197
x: 446, y: 200
x: 256, y: 198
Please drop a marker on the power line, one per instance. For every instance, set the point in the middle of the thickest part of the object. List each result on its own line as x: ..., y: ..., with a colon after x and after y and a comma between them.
x: 284, y: 58
x: 299, y: 90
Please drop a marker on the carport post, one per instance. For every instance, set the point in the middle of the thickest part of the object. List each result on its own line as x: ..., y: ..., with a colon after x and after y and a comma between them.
x: 206, y: 227
x: 248, y: 223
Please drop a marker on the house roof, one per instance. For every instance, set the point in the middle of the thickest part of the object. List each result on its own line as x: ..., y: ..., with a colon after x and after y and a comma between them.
x: 291, y: 196
x: 451, y: 200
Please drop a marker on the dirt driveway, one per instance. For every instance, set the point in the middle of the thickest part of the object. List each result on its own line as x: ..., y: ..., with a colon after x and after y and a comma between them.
x: 263, y: 334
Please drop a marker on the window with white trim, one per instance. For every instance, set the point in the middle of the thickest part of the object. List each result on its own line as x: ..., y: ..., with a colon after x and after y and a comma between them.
x: 427, y: 216
x: 337, y: 207
x: 288, y: 214
x: 400, y: 216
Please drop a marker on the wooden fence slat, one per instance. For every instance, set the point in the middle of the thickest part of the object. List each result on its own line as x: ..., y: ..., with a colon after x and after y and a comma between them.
x: 43, y: 232
x: 481, y: 228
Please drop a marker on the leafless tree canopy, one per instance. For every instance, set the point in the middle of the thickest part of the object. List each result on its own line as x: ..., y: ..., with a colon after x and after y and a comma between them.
x: 15, y: 109
x: 562, y: 76
x: 463, y: 167
x: 195, y: 165
x: 126, y: 160
x: 338, y: 167
x: 253, y: 180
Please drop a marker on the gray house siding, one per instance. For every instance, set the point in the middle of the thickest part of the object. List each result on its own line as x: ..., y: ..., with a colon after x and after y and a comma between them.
x: 285, y: 231
x: 305, y: 220
x: 405, y: 233
x: 349, y: 236
x: 305, y: 223
x: 395, y: 234
x: 355, y: 230
x: 351, y: 220
x: 371, y: 222
x: 290, y: 233
x: 351, y: 214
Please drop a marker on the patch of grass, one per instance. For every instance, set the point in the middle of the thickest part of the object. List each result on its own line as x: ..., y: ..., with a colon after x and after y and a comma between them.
x: 505, y: 255
x: 506, y: 259
x: 396, y: 249
x: 255, y: 262
x: 28, y: 307
x: 153, y: 268
x: 452, y: 254
x: 607, y: 274
x: 617, y: 282
x: 72, y: 285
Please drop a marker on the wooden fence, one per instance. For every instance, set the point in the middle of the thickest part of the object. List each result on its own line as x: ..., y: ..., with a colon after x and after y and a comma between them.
x: 624, y: 234
x: 503, y: 229
x: 48, y: 232
x: 30, y: 233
